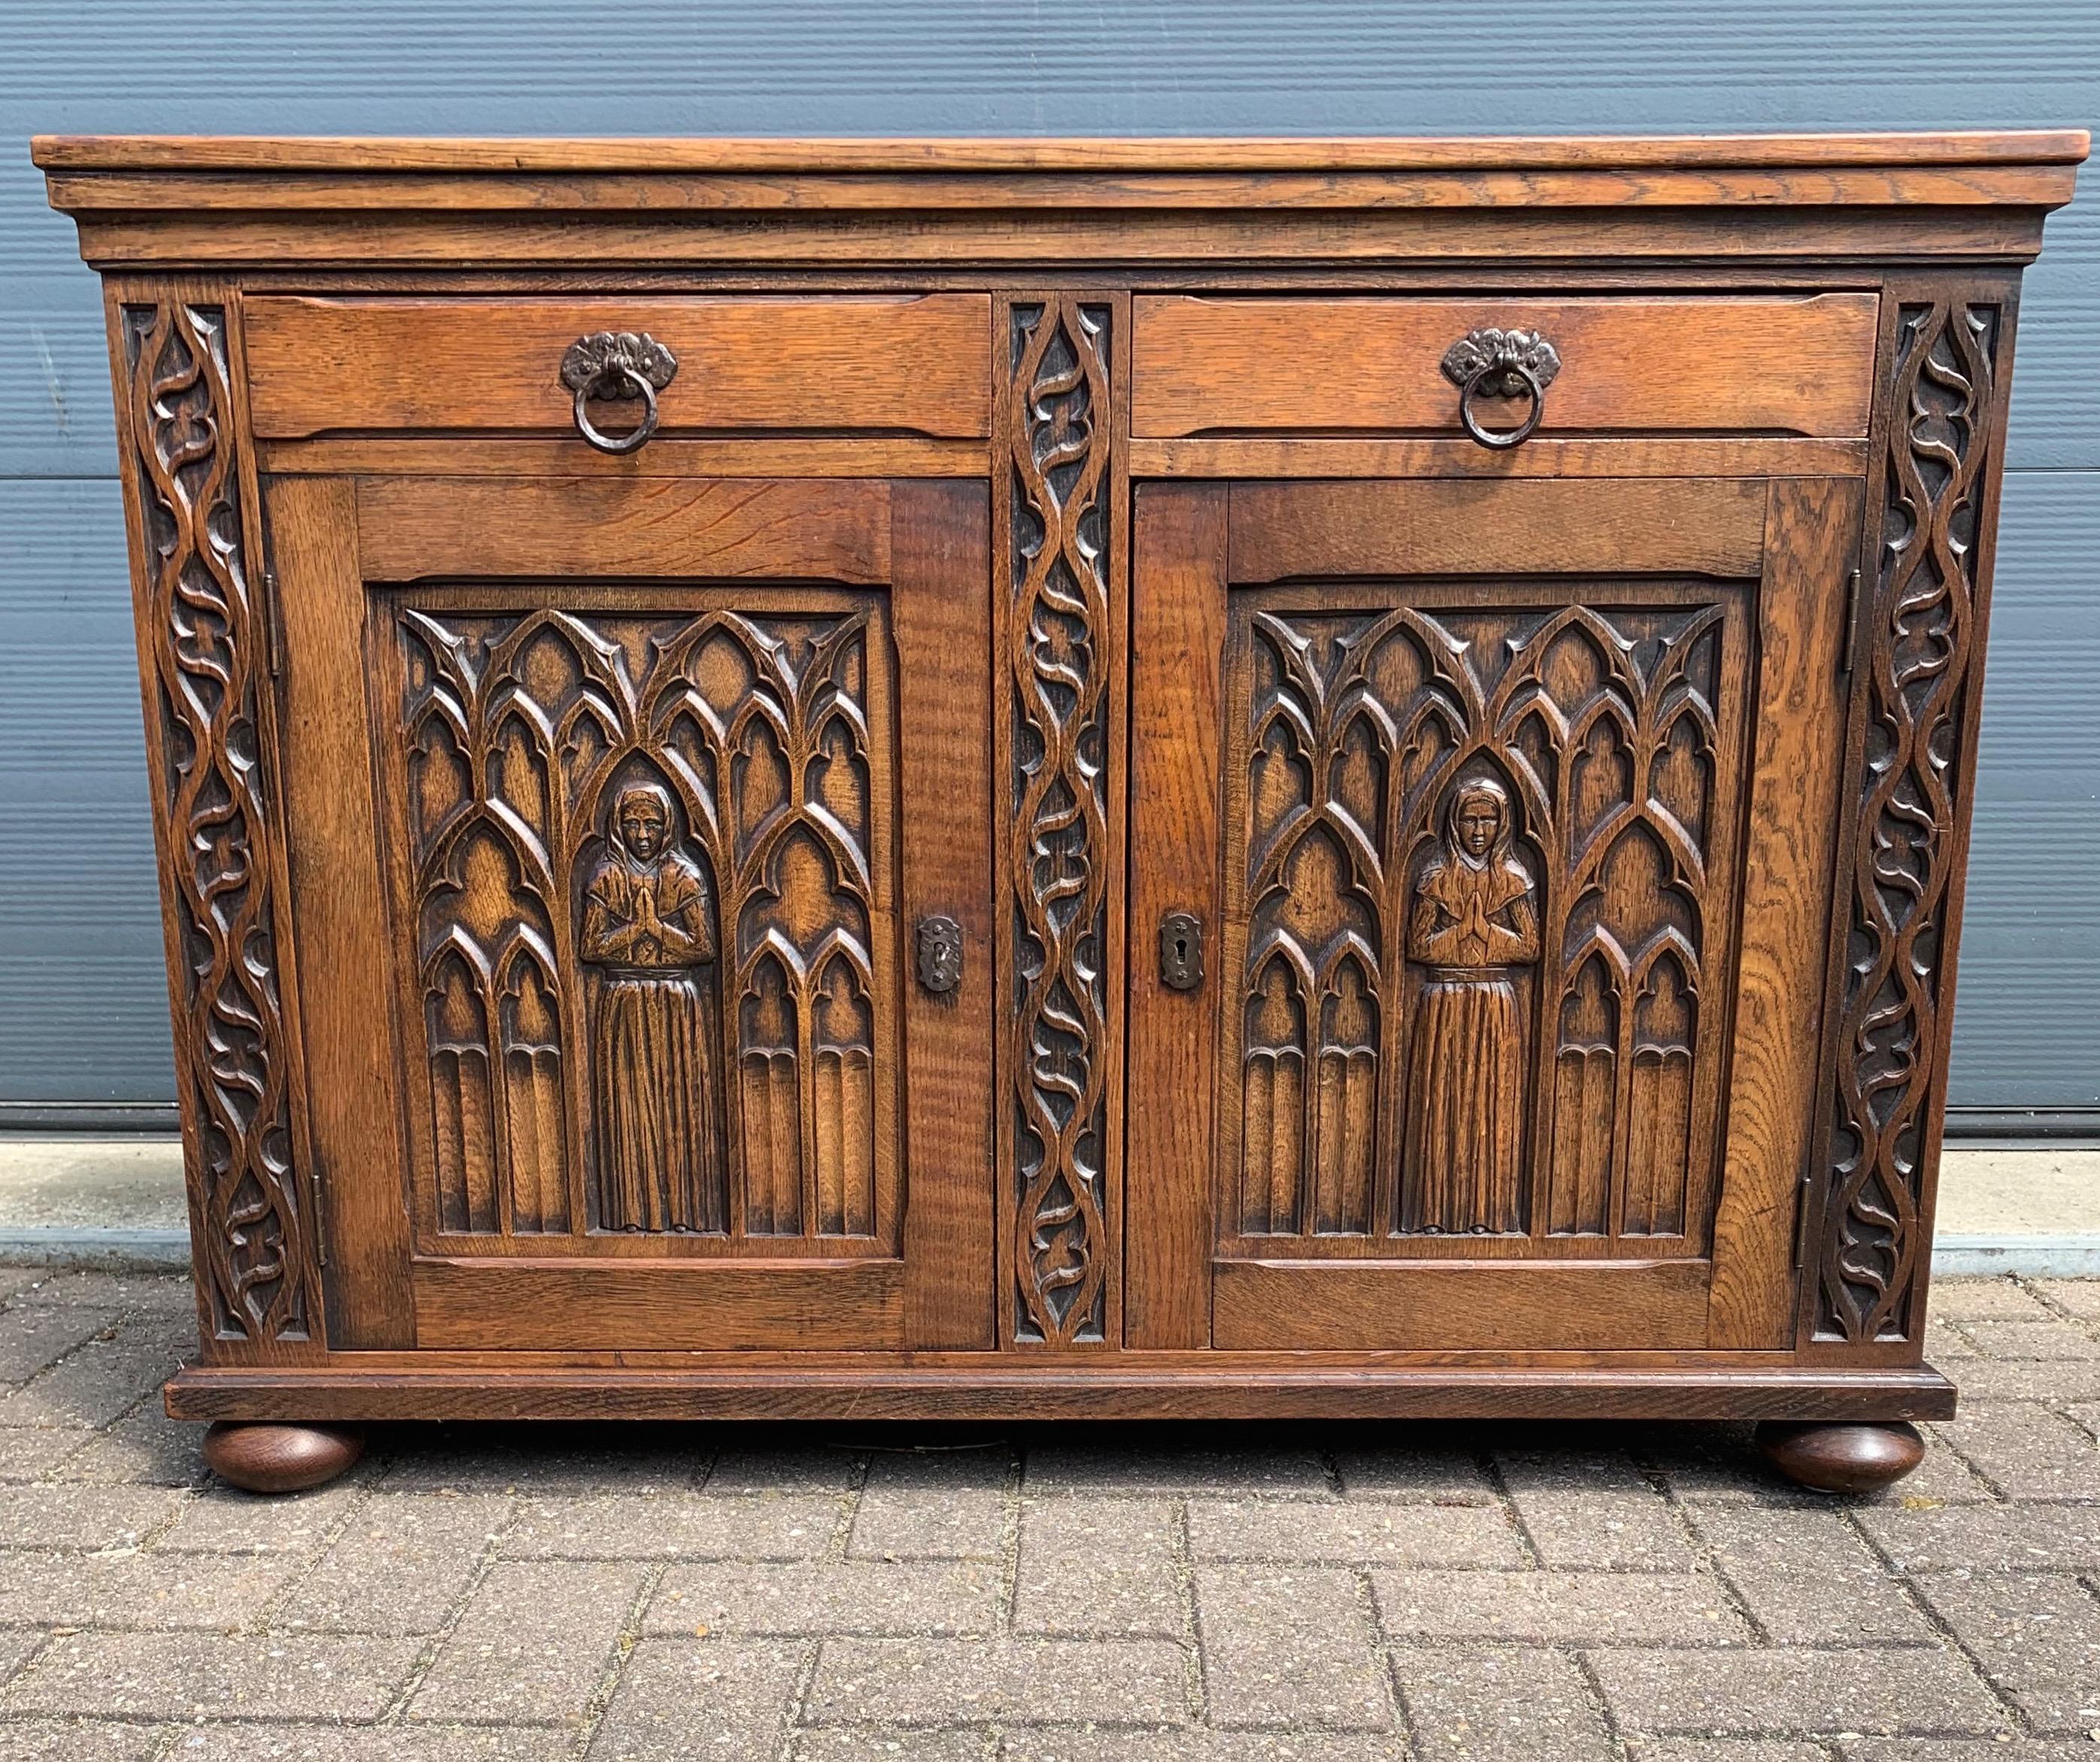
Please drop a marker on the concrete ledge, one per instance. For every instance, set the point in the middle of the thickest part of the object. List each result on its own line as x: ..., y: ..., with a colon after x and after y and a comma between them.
x: 102, y: 1251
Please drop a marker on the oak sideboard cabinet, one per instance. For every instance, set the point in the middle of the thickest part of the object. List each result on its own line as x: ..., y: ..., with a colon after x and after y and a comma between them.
x: 1061, y: 779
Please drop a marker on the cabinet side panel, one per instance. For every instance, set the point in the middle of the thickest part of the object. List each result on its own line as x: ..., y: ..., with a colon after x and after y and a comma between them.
x: 1917, y: 649
x: 204, y: 650
x: 1059, y: 545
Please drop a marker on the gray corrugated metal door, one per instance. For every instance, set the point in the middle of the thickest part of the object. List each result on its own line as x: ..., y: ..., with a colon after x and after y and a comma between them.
x: 82, y: 1014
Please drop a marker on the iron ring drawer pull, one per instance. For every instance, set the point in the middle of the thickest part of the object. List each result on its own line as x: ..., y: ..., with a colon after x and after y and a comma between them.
x: 623, y: 365
x: 1503, y: 363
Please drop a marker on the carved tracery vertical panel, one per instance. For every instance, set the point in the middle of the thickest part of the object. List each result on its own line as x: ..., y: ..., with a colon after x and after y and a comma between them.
x: 1058, y: 502
x: 647, y: 896
x: 206, y: 651
x: 1479, y: 900
x: 1917, y: 649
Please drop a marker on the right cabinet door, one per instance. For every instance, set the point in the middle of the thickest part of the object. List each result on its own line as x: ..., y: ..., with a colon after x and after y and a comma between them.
x: 1481, y: 842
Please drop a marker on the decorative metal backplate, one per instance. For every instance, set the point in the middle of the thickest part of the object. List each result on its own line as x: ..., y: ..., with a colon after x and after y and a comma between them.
x: 1181, y: 951
x: 1488, y: 359
x: 601, y: 365
x: 939, y: 954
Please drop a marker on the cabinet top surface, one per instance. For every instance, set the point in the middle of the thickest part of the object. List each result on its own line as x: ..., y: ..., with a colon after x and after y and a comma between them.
x: 1483, y: 153
x: 197, y: 203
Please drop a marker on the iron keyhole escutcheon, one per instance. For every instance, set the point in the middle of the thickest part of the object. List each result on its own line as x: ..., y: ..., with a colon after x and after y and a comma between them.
x: 1181, y: 951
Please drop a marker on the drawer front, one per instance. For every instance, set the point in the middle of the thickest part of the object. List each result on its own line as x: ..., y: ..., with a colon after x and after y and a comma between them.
x: 908, y: 364
x: 1784, y: 365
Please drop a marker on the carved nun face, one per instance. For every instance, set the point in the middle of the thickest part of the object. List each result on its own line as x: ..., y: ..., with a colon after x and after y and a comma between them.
x: 1476, y: 819
x: 642, y: 814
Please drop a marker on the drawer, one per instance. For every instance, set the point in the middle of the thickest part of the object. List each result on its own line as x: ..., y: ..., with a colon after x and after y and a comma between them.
x: 1745, y: 364
x: 903, y: 364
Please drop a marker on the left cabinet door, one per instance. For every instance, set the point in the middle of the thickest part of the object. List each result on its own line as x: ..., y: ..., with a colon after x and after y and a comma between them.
x: 640, y: 875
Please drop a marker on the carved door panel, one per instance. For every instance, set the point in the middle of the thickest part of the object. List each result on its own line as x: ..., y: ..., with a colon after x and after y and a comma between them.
x: 1506, y: 811
x: 640, y: 835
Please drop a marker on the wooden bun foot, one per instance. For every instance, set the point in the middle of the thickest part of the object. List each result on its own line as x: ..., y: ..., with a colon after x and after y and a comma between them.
x: 1858, y: 1457
x: 281, y: 1458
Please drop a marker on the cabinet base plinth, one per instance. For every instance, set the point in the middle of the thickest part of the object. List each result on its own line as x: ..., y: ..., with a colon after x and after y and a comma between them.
x: 276, y: 1457
x: 1010, y: 1387
x: 1841, y: 1459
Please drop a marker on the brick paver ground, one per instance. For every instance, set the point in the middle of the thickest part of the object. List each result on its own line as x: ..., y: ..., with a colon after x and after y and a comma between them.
x: 1286, y: 1593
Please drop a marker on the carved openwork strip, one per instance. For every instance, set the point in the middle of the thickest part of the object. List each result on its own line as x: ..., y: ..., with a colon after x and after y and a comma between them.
x: 1917, y: 649
x: 1058, y: 642
x: 644, y: 901
x: 1486, y: 863
x: 203, y: 643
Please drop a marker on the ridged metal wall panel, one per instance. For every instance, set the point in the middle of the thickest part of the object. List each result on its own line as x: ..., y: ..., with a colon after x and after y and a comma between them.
x: 81, y: 1011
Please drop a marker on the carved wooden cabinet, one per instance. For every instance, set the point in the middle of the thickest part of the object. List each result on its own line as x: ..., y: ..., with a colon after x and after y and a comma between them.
x: 1061, y: 779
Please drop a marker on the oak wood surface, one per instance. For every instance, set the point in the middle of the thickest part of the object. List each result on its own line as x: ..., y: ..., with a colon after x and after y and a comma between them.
x: 491, y: 772
x: 1664, y: 365
x: 905, y: 364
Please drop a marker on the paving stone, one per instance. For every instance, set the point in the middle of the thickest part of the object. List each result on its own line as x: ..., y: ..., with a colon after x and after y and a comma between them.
x: 32, y: 1338
x: 1086, y: 1745
x: 1975, y: 1299
x: 141, y: 1292
x: 1724, y: 1750
x: 1135, y: 1461
x: 931, y: 1508
x: 1853, y: 1749
x: 890, y: 1743
x: 1944, y: 1344
x: 102, y: 1378
x: 1888, y: 1690
x: 47, y: 1515
x: 144, y: 1448
x: 1943, y: 1477
x: 2037, y: 1636
x: 623, y: 1526
x: 16, y: 1279
x: 1807, y: 1577
x: 1292, y: 1648
x: 700, y: 1701
x: 373, y: 1743
x: 928, y: 1682
x: 72, y: 1740
x: 400, y: 1566
x: 2026, y: 1451
x: 1098, y: 1567
x: 541, y: 1457
x: 1434, y: 1469
x: 2033, y: 1340
x: 224, y: 1520
x: 2034, y: 1538
x: 131, y: 1589
x: 1354, y: 1532
x: 1714, y: 1462
x: 2079, y: 1296
x: 1634, y: 1527
x: 1503, y: 1704
x: 533, y: 1642
x: 2059, y: 1380
x: 827, y: 1596
x: 1559, y: 1608
x: 739, y: 1467
x: 15, y: 1650
x: 196, y: 1675
x: 28, y: 1453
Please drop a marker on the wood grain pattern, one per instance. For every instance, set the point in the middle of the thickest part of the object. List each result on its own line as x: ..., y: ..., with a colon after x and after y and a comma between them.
x: 1946, y: 352
x: 352, y: 1042
x: 203, y: 648
x: 410, y: 529
x: 1451, y: 1307
x: 1178, y: 578
x: 286, y: 153
x: 911, y: 364
x: 1811, y: 531
x: 1217, y: 366
x: 941, y: 612
x: 515, y: 1305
